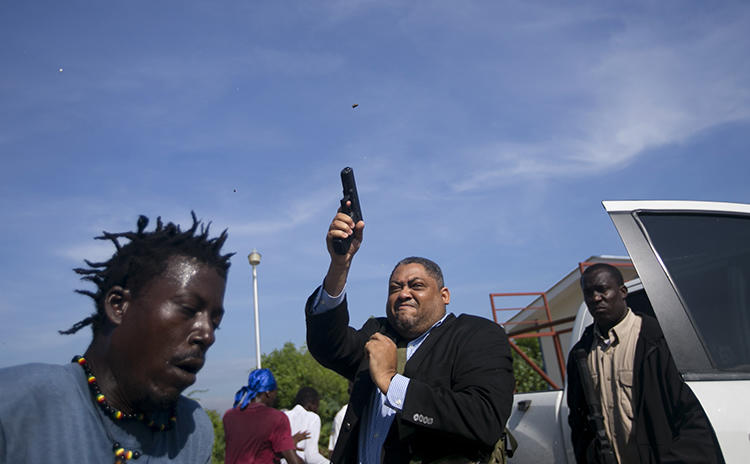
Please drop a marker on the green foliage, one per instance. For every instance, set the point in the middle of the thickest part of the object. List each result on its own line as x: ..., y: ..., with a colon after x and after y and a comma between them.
x: 527, y: 380
x: 217, y: 456
x: 295, y: 368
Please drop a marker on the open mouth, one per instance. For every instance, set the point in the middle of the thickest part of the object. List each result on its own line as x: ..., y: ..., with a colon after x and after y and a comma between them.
x: 191, y: 366
x: 189, y: 369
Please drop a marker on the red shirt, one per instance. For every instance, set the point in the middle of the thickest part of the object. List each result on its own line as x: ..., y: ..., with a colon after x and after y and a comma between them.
x: 256, y: 435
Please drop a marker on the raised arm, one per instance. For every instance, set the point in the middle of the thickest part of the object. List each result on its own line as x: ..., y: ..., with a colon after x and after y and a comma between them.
x: 329, y: 338
x: 342, y: 227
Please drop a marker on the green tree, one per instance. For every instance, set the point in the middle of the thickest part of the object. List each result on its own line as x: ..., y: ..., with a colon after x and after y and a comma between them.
x: 217, y: 456
x: 295, y: 368
x: 527, y: 380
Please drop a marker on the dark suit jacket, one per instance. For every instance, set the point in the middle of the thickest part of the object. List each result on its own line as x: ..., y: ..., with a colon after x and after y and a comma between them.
x: 460, y: 391
x: 669, y: 424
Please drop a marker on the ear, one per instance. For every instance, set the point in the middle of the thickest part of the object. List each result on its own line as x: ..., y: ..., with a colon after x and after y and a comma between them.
x: 445, y: 294
x: 624, y: 291
x: 116, y: 303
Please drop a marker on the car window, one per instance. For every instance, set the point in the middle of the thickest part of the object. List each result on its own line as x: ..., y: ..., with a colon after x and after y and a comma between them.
x: 707, y: 257
x: 638, y: 301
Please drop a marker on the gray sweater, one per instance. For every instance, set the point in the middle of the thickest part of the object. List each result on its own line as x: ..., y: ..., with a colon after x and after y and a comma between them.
x: 47, y: 415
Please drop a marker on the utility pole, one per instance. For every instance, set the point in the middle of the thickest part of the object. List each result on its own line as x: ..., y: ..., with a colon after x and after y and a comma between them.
x: 254, y: 259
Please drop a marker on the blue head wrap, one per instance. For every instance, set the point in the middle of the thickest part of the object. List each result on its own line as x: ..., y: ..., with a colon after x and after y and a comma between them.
x: 259, y: 381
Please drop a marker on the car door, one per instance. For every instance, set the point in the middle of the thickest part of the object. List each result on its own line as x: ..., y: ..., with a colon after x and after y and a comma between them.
x: 693, y: 259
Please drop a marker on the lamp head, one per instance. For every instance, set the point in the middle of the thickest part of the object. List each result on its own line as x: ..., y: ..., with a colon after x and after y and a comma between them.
x: 254, y: 258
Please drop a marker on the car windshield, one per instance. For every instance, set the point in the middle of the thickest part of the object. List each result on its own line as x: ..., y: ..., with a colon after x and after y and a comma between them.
x: 707, y: 257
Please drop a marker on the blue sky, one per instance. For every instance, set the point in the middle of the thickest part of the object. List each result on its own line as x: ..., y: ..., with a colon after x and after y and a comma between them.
x: 486, y: 136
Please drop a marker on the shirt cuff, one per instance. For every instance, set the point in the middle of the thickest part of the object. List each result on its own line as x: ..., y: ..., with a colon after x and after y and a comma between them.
x: 324, y: 302
x: 397, y: 392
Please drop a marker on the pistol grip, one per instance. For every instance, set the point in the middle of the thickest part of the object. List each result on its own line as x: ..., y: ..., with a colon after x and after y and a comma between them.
x: 341, y: 245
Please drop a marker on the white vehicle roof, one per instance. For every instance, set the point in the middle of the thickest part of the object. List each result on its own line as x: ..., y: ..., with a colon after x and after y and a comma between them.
x: 674, y: 205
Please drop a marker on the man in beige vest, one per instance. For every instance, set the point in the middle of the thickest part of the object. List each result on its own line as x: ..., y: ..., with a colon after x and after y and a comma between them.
x: 650, y: 414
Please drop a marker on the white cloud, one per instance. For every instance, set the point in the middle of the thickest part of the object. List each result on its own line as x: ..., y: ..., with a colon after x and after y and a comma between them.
x: 644, y: 91
x: 286, y: 216
x: 94, y: 251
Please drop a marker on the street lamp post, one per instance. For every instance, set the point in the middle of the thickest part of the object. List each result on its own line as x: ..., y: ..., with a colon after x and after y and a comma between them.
x: 254, y: 259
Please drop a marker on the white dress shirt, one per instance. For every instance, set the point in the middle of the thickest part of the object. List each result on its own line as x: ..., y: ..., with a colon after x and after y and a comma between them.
x: 302, y: 420
x: 338, y: 420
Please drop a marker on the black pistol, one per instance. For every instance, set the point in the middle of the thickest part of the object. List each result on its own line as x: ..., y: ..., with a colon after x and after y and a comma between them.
x: 341, y: 245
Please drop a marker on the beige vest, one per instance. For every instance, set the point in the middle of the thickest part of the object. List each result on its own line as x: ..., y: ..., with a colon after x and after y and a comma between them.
x: 611, y: 365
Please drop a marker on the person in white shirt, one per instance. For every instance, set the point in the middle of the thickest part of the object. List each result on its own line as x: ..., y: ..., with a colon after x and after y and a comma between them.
x: 338, y: 419
x: 303, y: 417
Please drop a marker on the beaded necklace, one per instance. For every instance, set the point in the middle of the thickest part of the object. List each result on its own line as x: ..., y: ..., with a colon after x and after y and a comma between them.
x: 121, y: 454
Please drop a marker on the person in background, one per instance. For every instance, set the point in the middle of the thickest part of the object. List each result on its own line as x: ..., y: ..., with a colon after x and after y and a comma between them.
x: 338, y: 421
x: 650, y: 414
x: 255, y: 431
x: 304, y: 417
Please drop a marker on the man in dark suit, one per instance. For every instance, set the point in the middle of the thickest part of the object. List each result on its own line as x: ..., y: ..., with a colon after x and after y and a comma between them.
x: 428, y: 386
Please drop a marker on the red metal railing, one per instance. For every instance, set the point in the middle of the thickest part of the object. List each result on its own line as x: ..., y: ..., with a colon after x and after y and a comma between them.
x: 533, y: 328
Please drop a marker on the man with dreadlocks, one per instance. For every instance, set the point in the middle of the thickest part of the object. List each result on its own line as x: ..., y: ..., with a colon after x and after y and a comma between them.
x: 158, y: 301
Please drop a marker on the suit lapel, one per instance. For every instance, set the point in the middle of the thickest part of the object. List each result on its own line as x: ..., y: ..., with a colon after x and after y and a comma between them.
x: 426, y: 347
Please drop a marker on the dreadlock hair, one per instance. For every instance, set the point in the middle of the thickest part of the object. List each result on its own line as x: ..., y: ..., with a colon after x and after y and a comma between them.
x: 144, y: 257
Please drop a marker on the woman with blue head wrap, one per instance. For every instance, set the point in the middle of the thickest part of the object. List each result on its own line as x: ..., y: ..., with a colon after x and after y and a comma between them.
x: 259, y: 381
x: 254, y: 430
